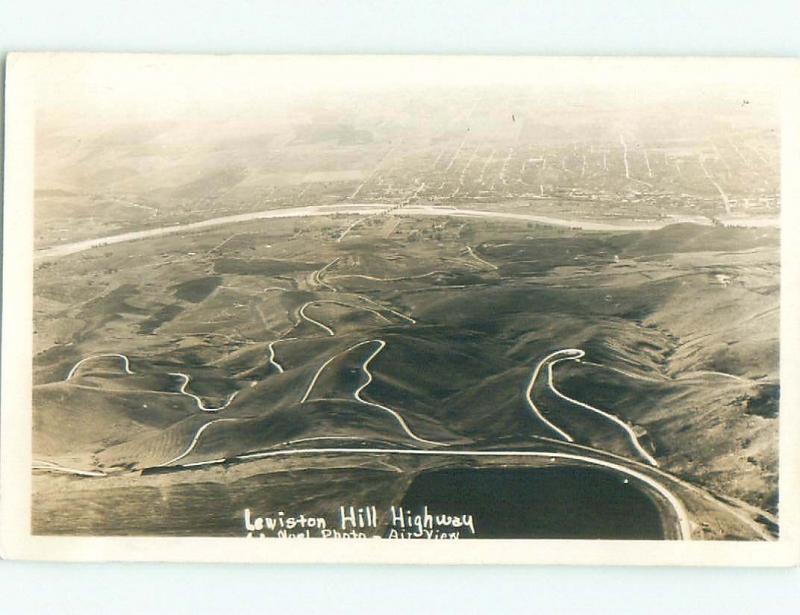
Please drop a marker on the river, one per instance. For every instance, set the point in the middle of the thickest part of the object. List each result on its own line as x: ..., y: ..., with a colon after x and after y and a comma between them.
x: 367, y: 209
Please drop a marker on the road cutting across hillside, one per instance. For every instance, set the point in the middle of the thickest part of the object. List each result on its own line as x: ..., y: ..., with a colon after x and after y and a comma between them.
x: 575, y: 354
x: 357, y: 393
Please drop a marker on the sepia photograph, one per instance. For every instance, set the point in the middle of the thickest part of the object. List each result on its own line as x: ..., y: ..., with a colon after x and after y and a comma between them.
x: 297, y: 303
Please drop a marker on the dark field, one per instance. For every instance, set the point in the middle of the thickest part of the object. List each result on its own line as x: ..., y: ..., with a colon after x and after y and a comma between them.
x: 544, y: 503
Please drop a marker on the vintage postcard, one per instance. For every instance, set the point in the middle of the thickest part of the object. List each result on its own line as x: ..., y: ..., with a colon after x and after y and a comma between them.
x: 401, y: 309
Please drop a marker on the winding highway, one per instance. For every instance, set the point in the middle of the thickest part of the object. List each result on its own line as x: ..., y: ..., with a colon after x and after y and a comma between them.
x: 126, y: 364
x: 357, y: 393
x: 329, y: 330
x: 753, y: 525
x: 575, y: 354
x: 272, y: 361
x: 348, y: 305
x: 308, y: 318
x: 534, y: 408
x: 186, y: 379
x: 549, y: 361
x: 317, y: 277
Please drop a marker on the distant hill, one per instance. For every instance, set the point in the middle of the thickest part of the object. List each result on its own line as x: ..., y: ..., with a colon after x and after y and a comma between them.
x: 685, y: 237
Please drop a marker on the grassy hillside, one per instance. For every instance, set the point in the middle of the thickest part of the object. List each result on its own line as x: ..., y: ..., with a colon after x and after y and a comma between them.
x: 679, y: 327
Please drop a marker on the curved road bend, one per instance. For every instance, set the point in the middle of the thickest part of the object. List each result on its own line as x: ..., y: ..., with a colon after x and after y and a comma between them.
x: 186, y: 379
x: 534, y: 408
x: 368, y: 300
x: 272, y: 360
x: 126, y: 364
x: 317, y: 277
x: 307, y: 318
x: 349, y: 305
x: 575, y: 354
x: 357, y: 393
x: 749, y: 522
